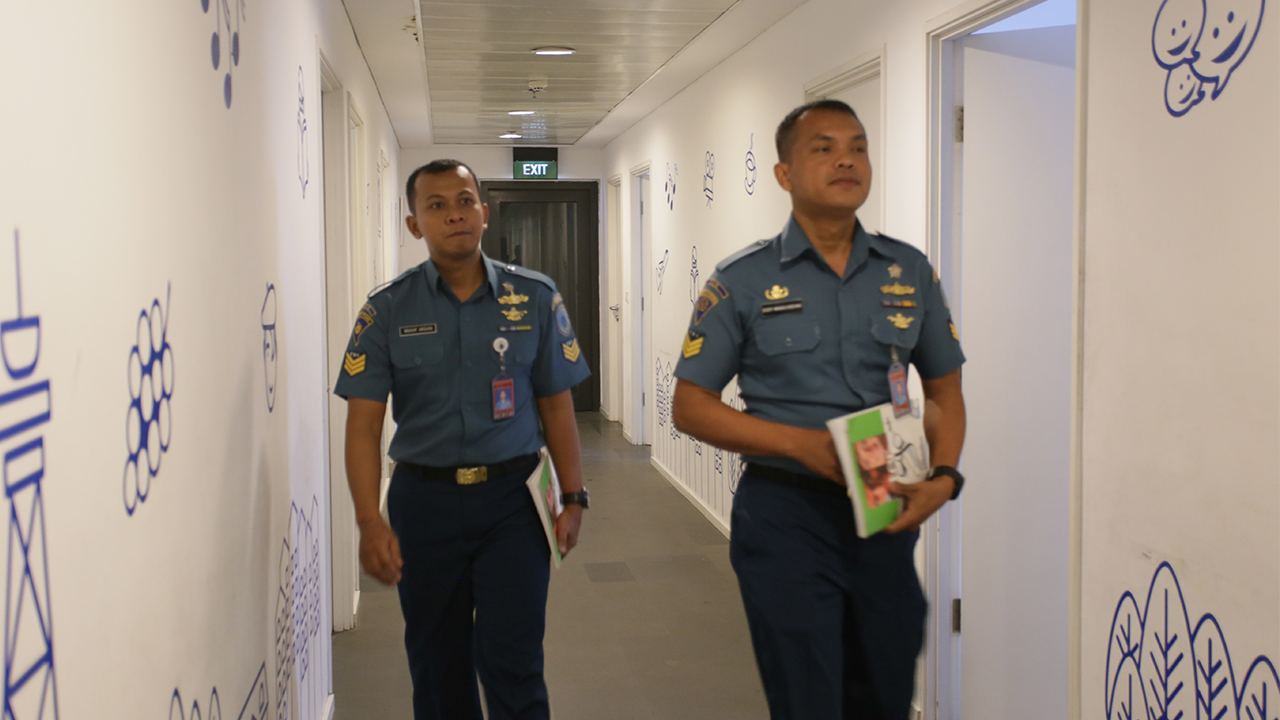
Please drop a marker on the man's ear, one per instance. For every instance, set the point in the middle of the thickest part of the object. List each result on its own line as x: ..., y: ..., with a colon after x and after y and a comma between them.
x: 486, y: 215
x: 782, y: 171
x: 411, y: 221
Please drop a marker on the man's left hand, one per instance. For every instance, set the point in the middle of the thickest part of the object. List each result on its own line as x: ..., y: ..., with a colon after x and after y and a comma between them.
x: 567, y: 527
x: 923, y: 499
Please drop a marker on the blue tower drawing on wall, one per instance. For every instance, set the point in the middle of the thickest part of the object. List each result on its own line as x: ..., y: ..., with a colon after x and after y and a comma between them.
x: 297, y: 610
x: 30, y: 683
x: 709, y: 177
x: 1161, y: 667
x: 270, y: 345
x: 149, y: 421
x: 750, y: 180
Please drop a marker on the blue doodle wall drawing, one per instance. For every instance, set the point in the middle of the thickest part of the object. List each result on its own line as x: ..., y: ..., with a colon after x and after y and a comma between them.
x: 672, y: 174
x: 270, y: 344
x: 693, y: 276
x: 30, y: 681
x: 1161, y: 667
x: 304, y: 159
x: 149, y: 422
x: 662, y: 268
x: 225, y: 29
x: 298, y: 611
x: 255, y: 705
x: 1201, y: 43
x: 709, y: 177
x: 750, y: 181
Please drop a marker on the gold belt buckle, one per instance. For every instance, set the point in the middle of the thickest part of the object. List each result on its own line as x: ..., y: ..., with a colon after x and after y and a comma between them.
x: 472, y: 475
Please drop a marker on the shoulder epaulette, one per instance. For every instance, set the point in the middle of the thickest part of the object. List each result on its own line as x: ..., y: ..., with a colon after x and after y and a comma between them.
x: 388, y: 284
x: 754, y: 247
x: 900, y: 244
x: 531, y: 274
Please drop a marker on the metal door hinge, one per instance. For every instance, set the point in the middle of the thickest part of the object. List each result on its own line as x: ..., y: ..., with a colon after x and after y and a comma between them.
x: 955, y: 615
x: 641, y: 399
x: 959, y: 123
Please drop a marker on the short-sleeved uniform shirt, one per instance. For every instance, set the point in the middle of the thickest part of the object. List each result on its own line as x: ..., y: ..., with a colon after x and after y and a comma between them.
x: 435, y: 356
x: 808, y: 345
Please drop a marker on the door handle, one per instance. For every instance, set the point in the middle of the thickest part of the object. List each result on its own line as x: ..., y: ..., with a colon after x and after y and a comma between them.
x: 614, y: 308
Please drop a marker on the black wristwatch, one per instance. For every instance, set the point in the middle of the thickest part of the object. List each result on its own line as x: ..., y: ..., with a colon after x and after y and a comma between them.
x: 577, y: 498
x: 940, y: 470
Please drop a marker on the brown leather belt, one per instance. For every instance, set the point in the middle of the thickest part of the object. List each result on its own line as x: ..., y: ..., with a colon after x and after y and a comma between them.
x: 812, y: 483
x: 470, y: 475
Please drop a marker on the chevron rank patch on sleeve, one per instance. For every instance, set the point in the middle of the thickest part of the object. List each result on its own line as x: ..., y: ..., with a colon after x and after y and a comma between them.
x: 353, y: 364
x: 693, y: 343
x: 571, y: 350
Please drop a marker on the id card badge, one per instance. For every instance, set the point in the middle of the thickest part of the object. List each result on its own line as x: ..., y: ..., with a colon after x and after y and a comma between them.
x: 504, y: 388
x: 898, y: 387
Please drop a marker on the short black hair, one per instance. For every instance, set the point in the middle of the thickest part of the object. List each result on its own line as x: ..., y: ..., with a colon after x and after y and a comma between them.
x: 785, y: 138
x: 435, y: 167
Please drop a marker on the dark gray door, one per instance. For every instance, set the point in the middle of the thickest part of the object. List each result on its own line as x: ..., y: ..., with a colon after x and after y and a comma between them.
x: 553, y: 227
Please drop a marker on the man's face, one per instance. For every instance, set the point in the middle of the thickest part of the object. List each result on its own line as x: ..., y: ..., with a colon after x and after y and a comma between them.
x: 829, y: 171
x: 871, y: 452
x: 448, y: 214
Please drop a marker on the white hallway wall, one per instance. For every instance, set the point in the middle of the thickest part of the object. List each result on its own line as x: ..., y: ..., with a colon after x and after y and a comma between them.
x: 1176, y: 468
x: 131, y: 181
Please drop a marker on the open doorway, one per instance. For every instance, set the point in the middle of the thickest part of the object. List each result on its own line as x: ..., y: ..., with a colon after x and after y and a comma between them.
x: 637, y: 359
x: 1003, y: 174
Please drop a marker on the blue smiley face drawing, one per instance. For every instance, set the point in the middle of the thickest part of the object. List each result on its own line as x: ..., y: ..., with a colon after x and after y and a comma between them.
x: 1177, y: 30
x: 1182, y: 91
x: 1230, y: 27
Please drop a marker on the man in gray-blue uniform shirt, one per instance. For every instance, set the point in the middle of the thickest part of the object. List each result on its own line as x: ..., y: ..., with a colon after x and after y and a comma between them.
x: 813, y: 322
x: 473, y: 354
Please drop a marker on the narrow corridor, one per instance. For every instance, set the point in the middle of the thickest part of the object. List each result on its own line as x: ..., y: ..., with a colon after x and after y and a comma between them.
x: 644, y: 620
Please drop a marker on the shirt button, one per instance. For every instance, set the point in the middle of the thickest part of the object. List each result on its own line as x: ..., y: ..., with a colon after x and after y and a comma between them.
x: 788, y: 342
x: 417, y: 360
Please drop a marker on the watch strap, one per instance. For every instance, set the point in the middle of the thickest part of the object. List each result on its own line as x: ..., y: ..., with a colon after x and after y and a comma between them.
x: 576, y: 498
x: 954, y: 474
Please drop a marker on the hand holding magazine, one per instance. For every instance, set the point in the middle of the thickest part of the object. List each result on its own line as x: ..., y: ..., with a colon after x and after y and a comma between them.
x: 544, y: 485
x: 876, y: 448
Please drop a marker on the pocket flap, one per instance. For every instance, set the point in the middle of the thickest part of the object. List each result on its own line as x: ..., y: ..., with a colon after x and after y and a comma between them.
x: 781, y: 337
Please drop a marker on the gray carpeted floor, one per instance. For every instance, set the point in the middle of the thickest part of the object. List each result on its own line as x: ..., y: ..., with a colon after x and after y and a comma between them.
x: 644, y: 620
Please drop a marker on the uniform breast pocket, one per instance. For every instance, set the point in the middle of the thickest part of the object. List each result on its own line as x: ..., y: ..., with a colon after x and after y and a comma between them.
x: 897, y: 329
x: 785, y: 335
x: 416, y: 352
x: 524, y: 349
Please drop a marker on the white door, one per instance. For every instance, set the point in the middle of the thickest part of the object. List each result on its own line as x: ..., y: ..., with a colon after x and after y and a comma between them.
x: 864, y: 98
x: 1015, y: 323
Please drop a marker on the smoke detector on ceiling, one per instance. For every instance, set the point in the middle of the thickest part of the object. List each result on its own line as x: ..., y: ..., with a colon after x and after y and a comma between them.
x: 537, y: 85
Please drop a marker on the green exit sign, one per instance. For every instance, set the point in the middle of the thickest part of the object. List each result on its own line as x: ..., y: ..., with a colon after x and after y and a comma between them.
x: 535, y: 170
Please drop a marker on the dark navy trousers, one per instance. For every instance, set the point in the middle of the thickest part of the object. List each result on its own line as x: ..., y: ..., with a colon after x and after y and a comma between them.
x: 837, y: 622
x: 474, y: 595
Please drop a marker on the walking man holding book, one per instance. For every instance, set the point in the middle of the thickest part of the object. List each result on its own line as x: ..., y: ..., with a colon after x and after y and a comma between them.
x: 818, y: 322
x: 473, y: 353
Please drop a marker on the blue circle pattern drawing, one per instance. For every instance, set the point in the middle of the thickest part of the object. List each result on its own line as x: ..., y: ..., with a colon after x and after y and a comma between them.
x: 270, y: 345
x: 1161, y: 666
x: 750, y: 181
x: 149, y: 421
x: 671, y: 185
x: 709, y: 177
x: 1202, y: 43
x: 227, y: 26
x: 31, y: 687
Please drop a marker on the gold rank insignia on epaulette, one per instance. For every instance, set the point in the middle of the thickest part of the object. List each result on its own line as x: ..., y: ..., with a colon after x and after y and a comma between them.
x: 954, y: 332
x: 693, y: 343
x: 514, y: 315
x: 897, y: 289
x: 571, y: 350
x: 353, y: 363
x: 900, y: 321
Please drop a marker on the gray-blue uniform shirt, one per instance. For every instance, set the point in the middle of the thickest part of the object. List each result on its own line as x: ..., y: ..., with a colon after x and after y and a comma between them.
x: 435, y: 355
x: 808, y: 345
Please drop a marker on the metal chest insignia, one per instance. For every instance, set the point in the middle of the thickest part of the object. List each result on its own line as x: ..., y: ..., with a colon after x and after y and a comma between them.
x: 900, y: 321
x: 693, y: 343
x: 895, y: 271
x: 897, y: 289
x: 353, y: 363
x: 514, y: 315
x: 511, y: 298
x: 571, y: 350
x: 776, y: 293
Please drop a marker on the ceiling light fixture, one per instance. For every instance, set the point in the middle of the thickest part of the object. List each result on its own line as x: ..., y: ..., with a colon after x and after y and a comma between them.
x: 553, y: 51
x: 511, y: 136
x: 523, y: 112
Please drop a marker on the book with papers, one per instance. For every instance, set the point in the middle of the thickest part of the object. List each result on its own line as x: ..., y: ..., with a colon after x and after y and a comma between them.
x: 544, y: 486
x: 875, y: 449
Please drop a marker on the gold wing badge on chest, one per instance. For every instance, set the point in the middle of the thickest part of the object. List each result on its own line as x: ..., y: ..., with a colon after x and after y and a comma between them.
x: 900, y: 321
x: 511, y: 298
x: 514, y: 315
x: 777, y: 292
x: 897, y: 289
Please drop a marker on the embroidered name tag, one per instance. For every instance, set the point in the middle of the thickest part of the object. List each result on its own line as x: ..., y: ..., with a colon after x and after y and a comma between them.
x: 411, y: 330
x: 784, y: 306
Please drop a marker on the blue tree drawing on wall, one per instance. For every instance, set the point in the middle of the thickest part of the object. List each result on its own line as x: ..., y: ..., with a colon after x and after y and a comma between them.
x: 672, y: 174
x: 149, y: 421
x: 1160, y: 668
x: 227, y: 25
x: 30, y: 681
x: 270, y: 344
x: 709, y: 177
x: 662, y: 268
x: 1201, y: 43
x: 693, y: 275
x: 304, y: 159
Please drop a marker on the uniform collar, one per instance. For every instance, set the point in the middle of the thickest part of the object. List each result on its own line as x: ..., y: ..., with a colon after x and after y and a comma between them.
x: 490, y: 269
x: 796, y: 243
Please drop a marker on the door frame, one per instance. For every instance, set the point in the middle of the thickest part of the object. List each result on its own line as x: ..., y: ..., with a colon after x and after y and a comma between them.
x: 636, y: 259
x: 945, y: 69
x: 611, y: 315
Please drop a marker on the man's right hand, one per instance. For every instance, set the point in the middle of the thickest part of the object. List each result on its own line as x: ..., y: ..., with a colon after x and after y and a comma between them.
x: 380, y: 551
x: 817, y: 450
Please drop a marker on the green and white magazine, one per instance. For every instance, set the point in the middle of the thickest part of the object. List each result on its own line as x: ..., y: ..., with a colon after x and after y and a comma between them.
x: 544, y: 486
x: 876, y: 448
